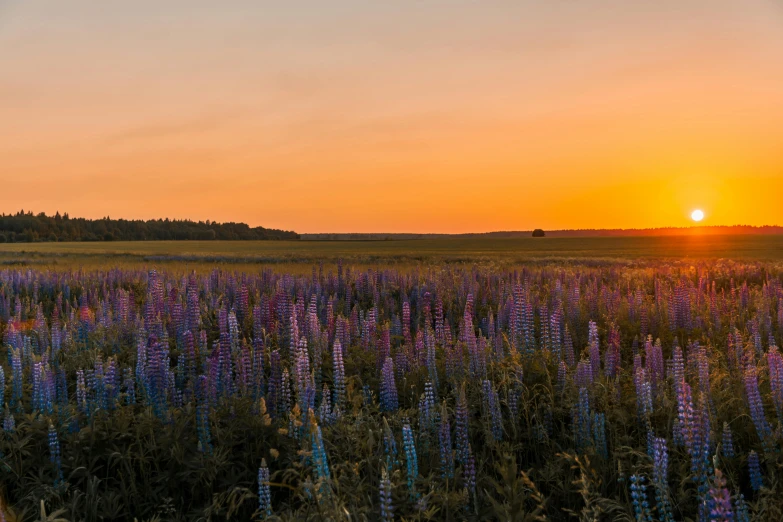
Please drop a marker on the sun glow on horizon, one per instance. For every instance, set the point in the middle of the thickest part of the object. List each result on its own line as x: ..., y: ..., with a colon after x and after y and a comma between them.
x: 697, y: 215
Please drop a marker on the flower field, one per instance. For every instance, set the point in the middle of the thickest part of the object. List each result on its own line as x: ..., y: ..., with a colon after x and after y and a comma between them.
x: 554, y: 390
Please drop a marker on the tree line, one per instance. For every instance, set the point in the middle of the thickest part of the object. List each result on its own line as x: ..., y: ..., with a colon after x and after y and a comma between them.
x: 25, y: 227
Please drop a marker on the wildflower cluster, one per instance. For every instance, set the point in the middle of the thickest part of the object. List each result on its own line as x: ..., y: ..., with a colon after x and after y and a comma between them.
x: 350, y: 382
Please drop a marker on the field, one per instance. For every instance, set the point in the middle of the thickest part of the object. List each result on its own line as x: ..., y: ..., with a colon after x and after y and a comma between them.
x: 299, y: 255
x: 522, y: 379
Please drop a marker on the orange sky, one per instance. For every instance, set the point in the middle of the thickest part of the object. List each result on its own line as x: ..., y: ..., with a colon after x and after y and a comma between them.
x: 404, y: 116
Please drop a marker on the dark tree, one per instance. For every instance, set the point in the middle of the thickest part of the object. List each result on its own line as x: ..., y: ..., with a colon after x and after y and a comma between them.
x: 538, y: 233
x: 26, y: 227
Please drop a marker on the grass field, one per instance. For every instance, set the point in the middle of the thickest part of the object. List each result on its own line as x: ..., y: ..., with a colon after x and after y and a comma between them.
x: 410, y: 252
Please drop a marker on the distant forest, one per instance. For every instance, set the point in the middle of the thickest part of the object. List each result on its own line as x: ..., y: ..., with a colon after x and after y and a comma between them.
x: 25, y: 227
x: 697, y: 230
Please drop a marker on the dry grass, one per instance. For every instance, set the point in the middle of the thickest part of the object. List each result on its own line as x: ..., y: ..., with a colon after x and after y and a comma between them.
x: 298, y: 256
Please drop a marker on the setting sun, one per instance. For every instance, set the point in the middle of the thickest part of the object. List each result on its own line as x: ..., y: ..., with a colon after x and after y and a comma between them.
x: 697, y: 215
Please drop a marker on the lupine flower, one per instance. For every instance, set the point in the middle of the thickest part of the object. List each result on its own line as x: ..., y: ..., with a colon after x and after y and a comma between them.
x: 685, y: 421
x: 641, y: 507
x: 584, y: 374
x: 763, y: 429
x: 594, y: 350
x: 754, y: 469
x: 478, y: 363
x: 388, y: 387
x: 387, y: 508
x: 320, y: 461
x: 406, y: 321
x: 492, y: 409
x: 727, y: 443
x: 775, y: 363
x: 678, y: 369
x: 461, y: 414
x: 582, y: 421
x: 661, y: 479
x: 411, y: 460
x: 285, y: 393
x: 202, y: 416
x: 427, y: 412
x: 513, y: 396
x: 264, y: 491
x: 654, y: 361
x: 720, y: 500
x: 339, y: 374
x: 432, y: 367
x: 612, y: 355
x: 275, y: 388
x: 81, y: 392
x: 325, y: 413
x: 389, y: 447
x: 302, y: 376
x: 9, y: 424
x: 17, y: 378
x: 55, y: 456
x: 130, y: 386
x: 561, y: 376
x: 2, y: 386
x: 444, y: 439
x: 741, y: 509
x: 599, y: 434
x: 644, y: 399
x: 568, y: 344
x: 469, y: 471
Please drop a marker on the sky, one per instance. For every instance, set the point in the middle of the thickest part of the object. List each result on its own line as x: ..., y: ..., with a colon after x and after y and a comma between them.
x: 402, y: 116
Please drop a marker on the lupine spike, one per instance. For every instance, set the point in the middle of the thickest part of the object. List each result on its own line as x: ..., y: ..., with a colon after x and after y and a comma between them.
x: 639, y: 497
x: 387, y: 508
x: 411, y: 460
x: 55, y: 456
x: 444, y: 439
x: 720, y: 500
x: 754, y: 470
x: 264, y: 491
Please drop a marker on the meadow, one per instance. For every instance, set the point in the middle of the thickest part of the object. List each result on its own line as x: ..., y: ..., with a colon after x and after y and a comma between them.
x: 525, y: 379
x: 298, y: 255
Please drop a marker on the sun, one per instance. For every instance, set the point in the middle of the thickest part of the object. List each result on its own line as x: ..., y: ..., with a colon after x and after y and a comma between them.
x: 697, y: 215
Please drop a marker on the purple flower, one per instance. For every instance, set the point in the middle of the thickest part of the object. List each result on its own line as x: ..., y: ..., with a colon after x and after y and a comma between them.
x: 388, y: 387
x: 338, y: 374
x: 387, y: 508
x: 661, y: 479
x: 444, y: 440
x: 55, y: 456
x: 763, y: 429
x: 754, y: 469
x: 411, y: 459
x: 264, y: 491
x: 720, y: 500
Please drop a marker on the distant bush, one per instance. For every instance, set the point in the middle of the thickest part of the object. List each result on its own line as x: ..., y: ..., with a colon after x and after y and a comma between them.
x: 539, y: 233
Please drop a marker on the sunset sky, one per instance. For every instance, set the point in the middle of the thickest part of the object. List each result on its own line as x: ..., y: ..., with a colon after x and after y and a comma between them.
x: 395, y: 116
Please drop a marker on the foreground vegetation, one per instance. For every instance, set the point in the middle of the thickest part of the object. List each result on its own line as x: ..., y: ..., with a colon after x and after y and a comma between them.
x: 551, y: 391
